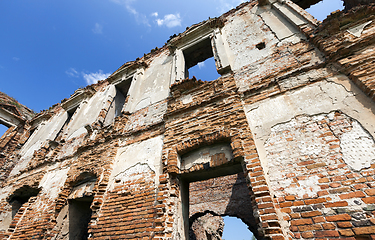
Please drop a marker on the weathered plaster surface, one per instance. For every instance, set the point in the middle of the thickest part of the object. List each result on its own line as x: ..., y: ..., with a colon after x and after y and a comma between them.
x: 46, y: 131
x: 242, y: 33
x: 88, y: 112
x: 138, y: 157
x: 152, y: 86
x: 205, y: 154
x: 52, y: 182
x: 321, y: 97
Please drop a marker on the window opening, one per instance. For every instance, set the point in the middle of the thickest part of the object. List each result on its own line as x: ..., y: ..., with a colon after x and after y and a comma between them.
x: 79, y: 217
x: 121, y: 93
x: 80, y: 201
x: 20, y: 197
x: 218, y: 189
x: 205, y: 70
x: 211, y: 199
x: 322, y: 9
x: 236, y: 229
x: 3, y: 129
x: 117, y: 105
x: 70, y: 115
x: 199, y: 60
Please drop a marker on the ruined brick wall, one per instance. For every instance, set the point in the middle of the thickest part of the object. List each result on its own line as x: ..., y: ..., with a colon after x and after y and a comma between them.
x: 13, y: 115
x: 347, y: 39
x: 283, y: 140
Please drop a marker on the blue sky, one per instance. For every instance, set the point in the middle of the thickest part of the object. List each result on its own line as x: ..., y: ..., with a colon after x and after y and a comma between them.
x: 48, y: 49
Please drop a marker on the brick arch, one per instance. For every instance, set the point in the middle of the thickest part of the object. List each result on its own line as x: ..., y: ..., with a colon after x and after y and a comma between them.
x: 243, y: 147
x: 224, y: 196
x: 218, y: 136
x: 73, y: 178
x: 76, y: 176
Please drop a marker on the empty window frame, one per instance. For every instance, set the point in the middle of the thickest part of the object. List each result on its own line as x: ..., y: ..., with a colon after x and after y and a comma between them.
x: 220, y: 186
x: 204, y: 47
x: 79, y: 217
x: 224, y: 195
x: 80, y: 201
x: 122, y: 90
x: 20, y: 197
x: 70, y: 113
x: 198, y: 54
x: 119, y: 101
x: 3, y: 129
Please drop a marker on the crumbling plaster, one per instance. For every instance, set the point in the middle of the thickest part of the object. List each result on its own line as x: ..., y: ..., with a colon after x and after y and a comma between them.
x: 301, y: 132
x: 136, y: 158
x: 46, y: 131
x: 151, y: 85
x: 335, y: 93
x: 88, y: 112
x: 205, y: 155
x: 244, y: 31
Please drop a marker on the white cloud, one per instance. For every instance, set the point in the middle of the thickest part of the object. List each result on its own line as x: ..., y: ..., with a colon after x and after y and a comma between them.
x: 139, y: 17
x: 170, y: 20
x: 16, y: 59
x: 72, y: 72
x: 200, y: 65
x: 155, y: 14
x: 98, y: 29
x: 92, y: 78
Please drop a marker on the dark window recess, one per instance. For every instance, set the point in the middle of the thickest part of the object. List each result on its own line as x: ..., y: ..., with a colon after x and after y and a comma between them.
x: 121, y: 93
x: 199, y: 60
x: 20, y: 197
x: 260, y: 45
x: 79, y: 217
x: 79, y: 207
x: 70, y: 115
x: 115, y: 109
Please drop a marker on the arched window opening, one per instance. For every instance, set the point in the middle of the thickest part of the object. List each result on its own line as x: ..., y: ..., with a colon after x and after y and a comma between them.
x: 322, y: 9
x: 20, y: 197
x: 80, y: 200
x: 236, y: 229
x: 213, y: 185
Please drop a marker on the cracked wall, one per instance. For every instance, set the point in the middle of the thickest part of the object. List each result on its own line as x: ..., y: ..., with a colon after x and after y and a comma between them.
x: 284, y: 139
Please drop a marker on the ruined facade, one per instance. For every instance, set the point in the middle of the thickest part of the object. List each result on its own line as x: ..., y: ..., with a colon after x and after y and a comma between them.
x: 283, y: 140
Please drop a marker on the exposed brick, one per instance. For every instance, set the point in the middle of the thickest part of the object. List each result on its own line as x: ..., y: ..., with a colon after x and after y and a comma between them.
x: 346, y: 232
x: 311, y: 214
x: 304, y: 228
x: 364, y: 230
x: 344, y: 224
x: 319, y: 219
x: 328, y: 226
x: 352, y: 195
x: 326, y: 233
x: 336, y: 204
x: 369, y: 200
x: 339, y: 217
x: 301, y: 222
